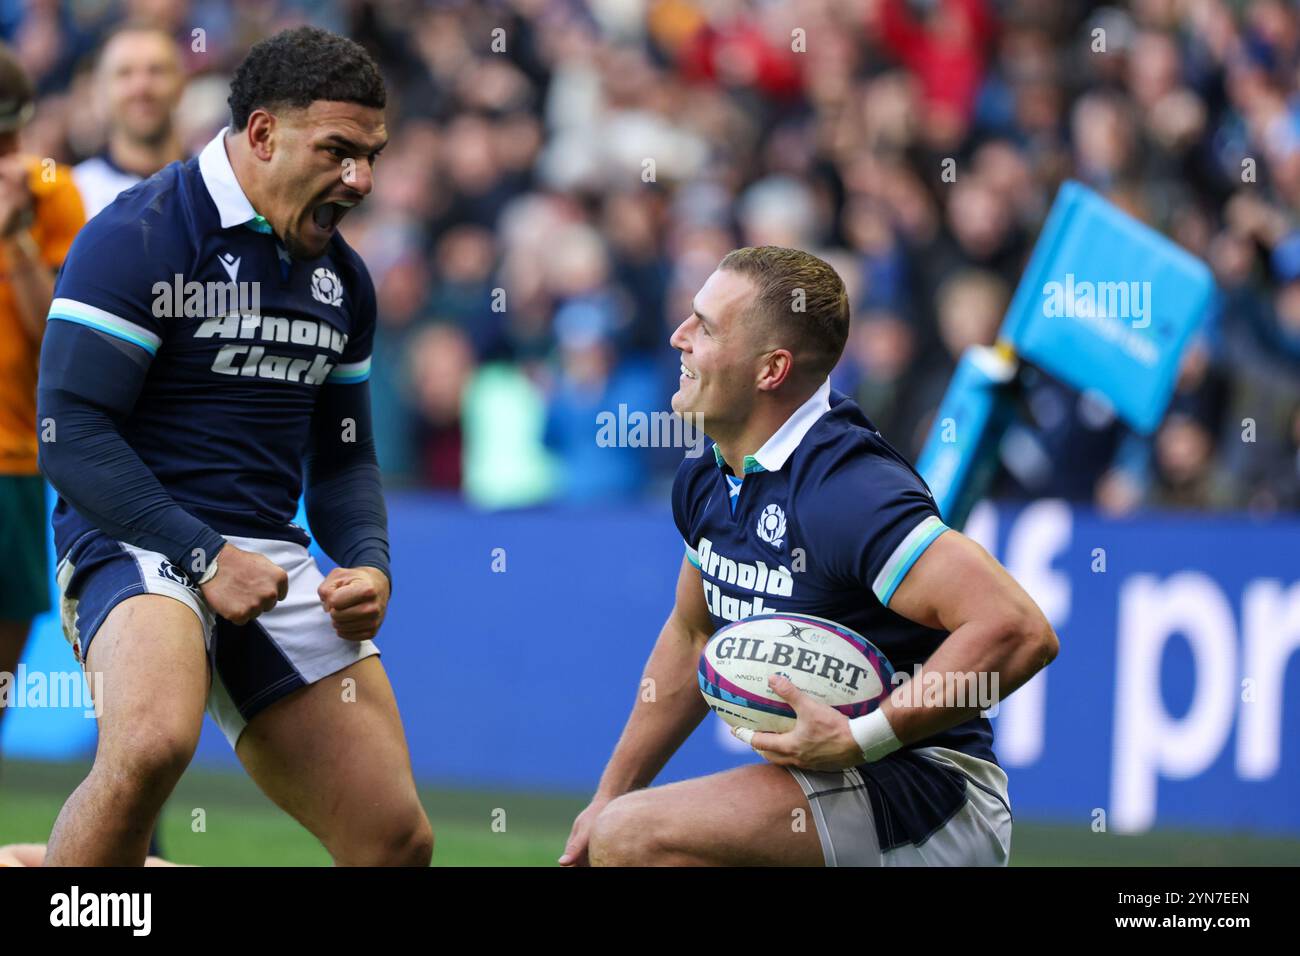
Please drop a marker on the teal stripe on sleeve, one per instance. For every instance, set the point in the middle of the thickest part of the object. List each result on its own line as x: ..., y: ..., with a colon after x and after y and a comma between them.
x: 904, y: 556
x: 350, y: 373
x: 69, y: 310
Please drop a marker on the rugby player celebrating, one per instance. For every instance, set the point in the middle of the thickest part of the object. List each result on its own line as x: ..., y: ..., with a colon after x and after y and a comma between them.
x: 180, y: 438
x: 916, y: 781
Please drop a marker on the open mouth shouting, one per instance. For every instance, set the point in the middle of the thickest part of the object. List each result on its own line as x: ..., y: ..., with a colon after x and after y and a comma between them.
x: 327, y: 216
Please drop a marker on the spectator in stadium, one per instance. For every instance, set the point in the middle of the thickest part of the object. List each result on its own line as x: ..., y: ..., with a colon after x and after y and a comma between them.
x: 140, y: 81
x: 441, y: 366
x: 513, y: 161
x: 1185, y: 472
x: 600, y: 465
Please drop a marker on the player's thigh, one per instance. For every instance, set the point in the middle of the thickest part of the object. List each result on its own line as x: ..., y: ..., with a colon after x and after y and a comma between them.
x: 334, y: 756
x: 147, y: 668
x: 755, y: 815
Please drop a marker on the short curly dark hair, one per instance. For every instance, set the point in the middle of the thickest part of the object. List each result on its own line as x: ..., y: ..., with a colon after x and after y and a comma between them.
x: 297, y: 67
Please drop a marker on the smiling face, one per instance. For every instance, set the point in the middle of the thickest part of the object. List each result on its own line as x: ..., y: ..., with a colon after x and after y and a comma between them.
x: 721, y: 353
x: 140, y: 77
x: 317, y: 163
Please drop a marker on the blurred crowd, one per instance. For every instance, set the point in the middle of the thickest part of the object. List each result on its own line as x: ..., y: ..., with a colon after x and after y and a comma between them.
x: 563, y: 175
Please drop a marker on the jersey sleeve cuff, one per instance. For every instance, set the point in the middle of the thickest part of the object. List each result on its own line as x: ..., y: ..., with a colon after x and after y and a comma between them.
x: 80, y: 313
x: 692, y: 555
x: 372, y: 558
x: 350, y: 373
x: 195, y: 557
x: 904, y: 556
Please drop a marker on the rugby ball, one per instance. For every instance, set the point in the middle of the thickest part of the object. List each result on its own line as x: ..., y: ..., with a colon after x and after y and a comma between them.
x: 823, y: 659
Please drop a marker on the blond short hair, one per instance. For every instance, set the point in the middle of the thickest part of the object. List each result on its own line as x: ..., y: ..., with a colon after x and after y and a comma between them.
x: 801, y: 299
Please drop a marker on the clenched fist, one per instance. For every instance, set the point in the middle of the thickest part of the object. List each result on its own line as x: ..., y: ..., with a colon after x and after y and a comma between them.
x: 245, y: 585
x: 356, y: 600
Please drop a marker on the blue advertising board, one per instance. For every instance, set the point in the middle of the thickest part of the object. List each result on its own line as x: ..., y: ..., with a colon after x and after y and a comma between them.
x: 515, y: 642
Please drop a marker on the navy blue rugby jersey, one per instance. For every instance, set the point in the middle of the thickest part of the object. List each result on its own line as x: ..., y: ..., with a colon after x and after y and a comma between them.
x: 223, y: 418
x: 827, y: 520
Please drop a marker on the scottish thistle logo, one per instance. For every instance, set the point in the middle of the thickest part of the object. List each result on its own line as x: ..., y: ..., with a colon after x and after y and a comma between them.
x: 172, y: 573
x: 325, y: 287
x: 771, y: 526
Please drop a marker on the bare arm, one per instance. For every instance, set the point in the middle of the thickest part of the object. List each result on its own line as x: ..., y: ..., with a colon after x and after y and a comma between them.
x: 31, y: 280
x: 668, y: 708
x: 995, y: 629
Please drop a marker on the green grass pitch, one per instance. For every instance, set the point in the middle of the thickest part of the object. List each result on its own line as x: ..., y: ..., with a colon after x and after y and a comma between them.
x: 502, y: 828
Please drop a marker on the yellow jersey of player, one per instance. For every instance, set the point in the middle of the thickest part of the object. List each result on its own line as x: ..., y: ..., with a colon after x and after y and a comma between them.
x: 57, y: 217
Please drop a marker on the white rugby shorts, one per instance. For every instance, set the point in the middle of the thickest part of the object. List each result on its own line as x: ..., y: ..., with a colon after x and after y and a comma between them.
x: 252, y: 665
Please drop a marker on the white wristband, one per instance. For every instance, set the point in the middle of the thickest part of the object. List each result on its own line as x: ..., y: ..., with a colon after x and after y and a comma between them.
x: 208, y: 575
x: 874, y: 735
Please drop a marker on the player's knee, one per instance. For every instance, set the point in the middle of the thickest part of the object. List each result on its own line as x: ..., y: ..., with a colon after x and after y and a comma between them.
x: 404, y: 839
x: 418, y: 847
x: 626, y: 834
x: 152, y: 763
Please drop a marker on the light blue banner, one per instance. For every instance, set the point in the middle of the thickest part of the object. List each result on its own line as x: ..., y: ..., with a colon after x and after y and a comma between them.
x: 1106, y: 303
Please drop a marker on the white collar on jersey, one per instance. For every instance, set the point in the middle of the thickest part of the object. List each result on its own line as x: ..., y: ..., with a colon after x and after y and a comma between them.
x: 776, y: 451
x: 219, y: 176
